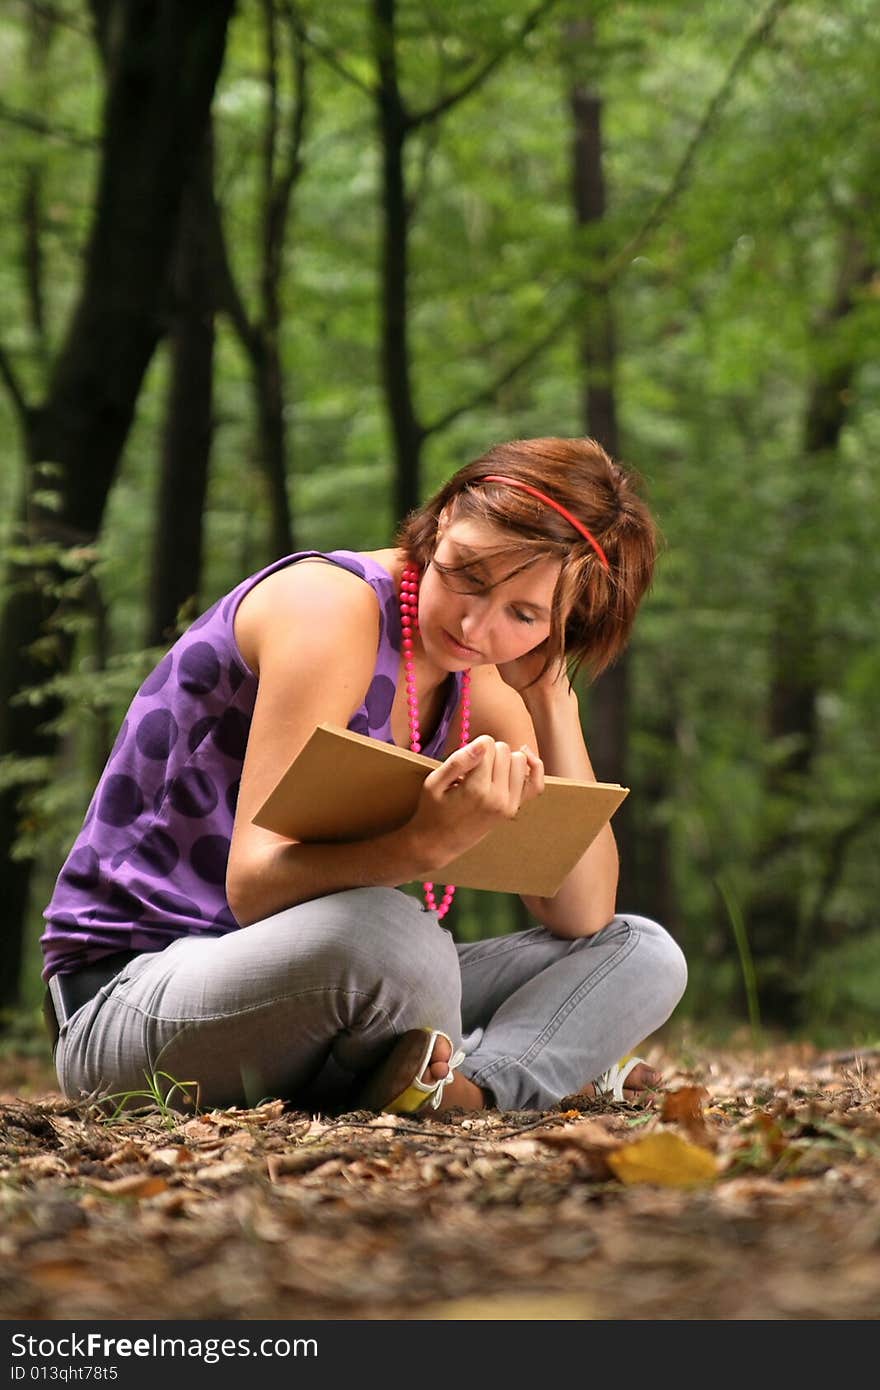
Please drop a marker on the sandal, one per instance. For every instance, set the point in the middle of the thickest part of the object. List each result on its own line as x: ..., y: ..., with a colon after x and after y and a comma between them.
x: 612, y: 1081
x: 396, y: 1087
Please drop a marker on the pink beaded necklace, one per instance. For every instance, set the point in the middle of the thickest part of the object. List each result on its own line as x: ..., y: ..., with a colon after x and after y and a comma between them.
x: 409, y: 621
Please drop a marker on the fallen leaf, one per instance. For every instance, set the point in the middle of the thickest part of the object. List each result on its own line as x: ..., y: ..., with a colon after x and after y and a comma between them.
x: 268, y: 1111
x: 197, y: 1129
x: 138, y: 1185
x: 129, y: 1153
x: 43, y: 1166
x: 220, y: 1172
x: 664, y: 1159
x: 683, y: 1104
x: 684, y: 1107
x: 592, y: 1142
x: 173, y: 1155
x: 586, y: 1135
x: 241, y: 1139
x: 60, y: 1274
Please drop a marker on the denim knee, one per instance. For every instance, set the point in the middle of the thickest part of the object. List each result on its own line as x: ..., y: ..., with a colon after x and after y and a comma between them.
x: 661, y: 955
x: 421, y: 961
x: 381, y: 941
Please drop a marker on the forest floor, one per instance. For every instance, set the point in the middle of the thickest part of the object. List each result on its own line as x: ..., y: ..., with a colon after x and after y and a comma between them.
x: 748, y: 1188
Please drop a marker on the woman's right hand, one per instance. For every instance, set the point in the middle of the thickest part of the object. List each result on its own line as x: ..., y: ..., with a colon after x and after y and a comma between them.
x: 476, y: 787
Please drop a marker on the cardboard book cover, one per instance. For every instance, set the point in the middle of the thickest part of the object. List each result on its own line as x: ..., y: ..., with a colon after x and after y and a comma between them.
x: 344, y: 786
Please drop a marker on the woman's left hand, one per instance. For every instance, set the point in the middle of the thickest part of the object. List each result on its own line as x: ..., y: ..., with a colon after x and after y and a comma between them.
x: 520, y: 673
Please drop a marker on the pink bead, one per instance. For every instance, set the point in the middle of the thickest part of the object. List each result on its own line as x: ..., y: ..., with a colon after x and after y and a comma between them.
x: 409, y: 621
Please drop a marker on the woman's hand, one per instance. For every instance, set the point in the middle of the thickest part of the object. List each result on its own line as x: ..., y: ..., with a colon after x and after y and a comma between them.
x: 476, y: 787
x: 520, y: 674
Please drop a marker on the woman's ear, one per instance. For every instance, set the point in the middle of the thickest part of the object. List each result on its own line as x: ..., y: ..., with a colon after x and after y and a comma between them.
x: 442, y: 523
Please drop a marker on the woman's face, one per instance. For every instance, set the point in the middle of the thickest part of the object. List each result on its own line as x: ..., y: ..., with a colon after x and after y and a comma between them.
x: 479, y: 616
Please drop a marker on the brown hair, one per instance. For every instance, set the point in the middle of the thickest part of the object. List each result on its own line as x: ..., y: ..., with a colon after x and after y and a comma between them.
x: 593, y: 610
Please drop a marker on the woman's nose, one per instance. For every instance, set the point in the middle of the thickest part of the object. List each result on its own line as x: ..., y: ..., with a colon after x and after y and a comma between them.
x: 474, y: 622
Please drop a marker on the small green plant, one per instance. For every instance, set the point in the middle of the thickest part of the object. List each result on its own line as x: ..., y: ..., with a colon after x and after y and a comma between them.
x: 747, y: 965
x: 152, y: 1095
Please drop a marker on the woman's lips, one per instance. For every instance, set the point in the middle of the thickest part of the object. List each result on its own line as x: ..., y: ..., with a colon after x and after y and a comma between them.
x: 458, y: 647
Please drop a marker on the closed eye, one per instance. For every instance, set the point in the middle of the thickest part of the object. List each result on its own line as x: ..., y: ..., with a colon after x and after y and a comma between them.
x: 465, y: 577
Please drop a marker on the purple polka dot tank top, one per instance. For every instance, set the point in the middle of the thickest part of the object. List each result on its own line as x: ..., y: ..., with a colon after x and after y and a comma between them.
x: 149, y: 864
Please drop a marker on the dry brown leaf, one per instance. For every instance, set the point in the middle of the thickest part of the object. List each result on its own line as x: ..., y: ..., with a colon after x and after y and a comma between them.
x: 138, y: 1185
x: 590, y: 1140
x: 665, y: 1159
x: 241, y: 1139
x: 268, y: 1111
x: 523, y: 1149
x: 684, y: 1107
x: 684, y: 1104
x: 220, y: 1172
x: 173, y: 1155
x: 129, y: 1153
x: 587, y: 1134
x: 368, y: 1168
x: 60, y: 1274
x: 43, y: 1165
x: 198, y: 1130
x: 174, y: 1202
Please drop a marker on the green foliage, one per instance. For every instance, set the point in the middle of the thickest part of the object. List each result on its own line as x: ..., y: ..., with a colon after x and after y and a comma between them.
x: 722, y: 319
x: 842, y: 986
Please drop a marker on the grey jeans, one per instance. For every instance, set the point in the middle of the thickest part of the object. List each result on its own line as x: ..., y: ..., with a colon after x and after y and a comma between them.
x: 304, y: 1004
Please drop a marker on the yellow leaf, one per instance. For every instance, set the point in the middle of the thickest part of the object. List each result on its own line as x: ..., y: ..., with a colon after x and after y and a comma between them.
x: 665, y: 1159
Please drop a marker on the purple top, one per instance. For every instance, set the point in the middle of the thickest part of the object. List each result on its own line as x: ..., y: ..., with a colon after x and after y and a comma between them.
x: 149, y: 864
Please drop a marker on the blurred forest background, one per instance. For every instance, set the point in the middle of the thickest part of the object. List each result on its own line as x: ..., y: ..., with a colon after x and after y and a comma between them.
x: 272, y: 271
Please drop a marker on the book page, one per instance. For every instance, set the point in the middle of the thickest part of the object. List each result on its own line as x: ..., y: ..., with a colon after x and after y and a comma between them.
x: 344, y: 786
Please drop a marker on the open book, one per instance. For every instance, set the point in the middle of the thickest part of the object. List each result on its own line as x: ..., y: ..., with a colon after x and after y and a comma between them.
x: 343, y: 786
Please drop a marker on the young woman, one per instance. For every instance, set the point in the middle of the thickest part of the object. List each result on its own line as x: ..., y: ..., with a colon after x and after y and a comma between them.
x: 183, y: 939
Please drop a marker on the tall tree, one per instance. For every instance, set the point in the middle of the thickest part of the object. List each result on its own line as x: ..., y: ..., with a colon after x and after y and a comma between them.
x: 259, y: 331
x: 397, y: 123
x: 778, y: 924
x: 609, y: 705
x: 189, y: 417
x: 163, y: 68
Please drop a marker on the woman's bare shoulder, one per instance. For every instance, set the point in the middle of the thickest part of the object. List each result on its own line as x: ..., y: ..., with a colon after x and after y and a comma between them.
x: 312, y: 598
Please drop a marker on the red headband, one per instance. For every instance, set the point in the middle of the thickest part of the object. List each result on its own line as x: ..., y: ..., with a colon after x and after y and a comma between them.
x: 557, y: 507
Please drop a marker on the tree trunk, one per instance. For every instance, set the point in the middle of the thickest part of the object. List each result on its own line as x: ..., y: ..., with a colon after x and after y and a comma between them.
x: 160, y: 82
x: 396, y: 371
x: 260, y: 334
x: 777, y: 921
x: 177, y: 545
x: 608, y: 711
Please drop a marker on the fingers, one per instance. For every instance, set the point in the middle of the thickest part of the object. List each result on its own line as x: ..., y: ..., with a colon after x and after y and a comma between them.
x: 535, y: 780
x: 489, y: 770
x: 509, y: 777
x: 460, y: 764
x: 517, y: 776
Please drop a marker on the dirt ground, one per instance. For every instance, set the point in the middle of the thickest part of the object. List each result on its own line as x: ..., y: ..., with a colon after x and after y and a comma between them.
x: 749, y: 1188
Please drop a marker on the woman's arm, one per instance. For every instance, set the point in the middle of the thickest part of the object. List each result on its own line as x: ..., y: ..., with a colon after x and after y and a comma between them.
x: 585, y: 902
x: 547, y: 717
x: 311, y: 637
x: 310, y: 632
